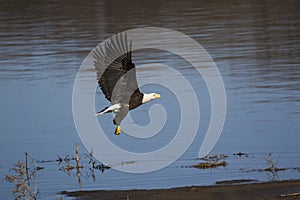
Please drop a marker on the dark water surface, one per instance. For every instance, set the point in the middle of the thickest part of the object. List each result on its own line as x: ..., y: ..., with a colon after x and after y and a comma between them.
x: 255, y: 45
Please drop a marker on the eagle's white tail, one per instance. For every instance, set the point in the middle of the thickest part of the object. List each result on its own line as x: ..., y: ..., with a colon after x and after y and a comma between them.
x: 112, y: 108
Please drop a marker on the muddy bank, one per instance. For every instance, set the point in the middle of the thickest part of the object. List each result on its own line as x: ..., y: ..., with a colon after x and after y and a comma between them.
x: 268, y: 190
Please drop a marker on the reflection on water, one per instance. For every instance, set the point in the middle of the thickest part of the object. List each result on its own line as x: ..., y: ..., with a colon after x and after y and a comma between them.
x: 255, y: 45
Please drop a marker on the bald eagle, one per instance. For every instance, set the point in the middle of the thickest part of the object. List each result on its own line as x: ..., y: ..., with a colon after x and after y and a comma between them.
x: 116, y: 75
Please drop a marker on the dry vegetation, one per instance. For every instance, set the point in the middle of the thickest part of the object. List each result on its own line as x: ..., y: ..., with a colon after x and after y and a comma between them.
x: 23, y: 178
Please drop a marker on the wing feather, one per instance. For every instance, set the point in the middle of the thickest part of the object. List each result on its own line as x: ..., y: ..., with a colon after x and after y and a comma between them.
x: 118, y: 80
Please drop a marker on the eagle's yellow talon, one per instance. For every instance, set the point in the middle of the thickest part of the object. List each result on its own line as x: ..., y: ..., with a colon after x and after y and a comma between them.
x: 118, y: 130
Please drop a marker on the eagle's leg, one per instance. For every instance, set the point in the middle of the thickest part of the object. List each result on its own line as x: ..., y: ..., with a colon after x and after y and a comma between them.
x: 120, y: 115
x: 118, y: 130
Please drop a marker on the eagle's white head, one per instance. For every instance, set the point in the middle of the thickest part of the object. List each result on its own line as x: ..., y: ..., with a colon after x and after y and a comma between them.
x: 149, y: 97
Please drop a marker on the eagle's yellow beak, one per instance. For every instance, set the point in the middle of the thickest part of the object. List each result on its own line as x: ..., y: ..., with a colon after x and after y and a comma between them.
x: 157, y: 96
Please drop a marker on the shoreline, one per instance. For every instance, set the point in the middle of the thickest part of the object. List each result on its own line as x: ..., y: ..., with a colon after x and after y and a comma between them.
x: 275, y: 190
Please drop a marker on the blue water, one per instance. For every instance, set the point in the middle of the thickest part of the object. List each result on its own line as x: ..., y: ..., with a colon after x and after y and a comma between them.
x: 255, y: 46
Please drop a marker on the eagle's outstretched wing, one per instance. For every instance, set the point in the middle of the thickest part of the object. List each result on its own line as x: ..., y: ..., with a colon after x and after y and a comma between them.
x: 116, y: 73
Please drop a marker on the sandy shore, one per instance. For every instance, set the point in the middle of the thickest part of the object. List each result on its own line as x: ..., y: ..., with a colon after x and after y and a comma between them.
x: 268, y: 190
